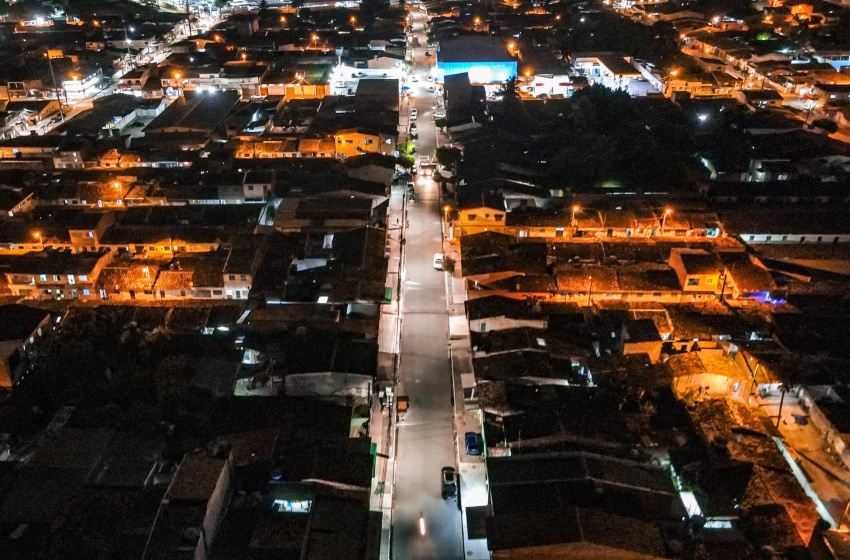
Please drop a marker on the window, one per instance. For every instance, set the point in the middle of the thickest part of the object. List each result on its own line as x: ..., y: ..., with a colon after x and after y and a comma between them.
x: 709, y: 280
x: 656, y: 294
x: 216, y: 292
x: 767, y: 238
x: 243, y: 277
x: 498, y: 217
x: 42, y: 277
x: 71, y: 279
x: 84, y: 278
x: 89, y: 234
x: 693, y: 281
x: 250, y: 187
x: 232, y: 277
x: 55, y: 277
x: 367, y: 141
x: 86, y: 292
x: 473, y: 217
x: 523, y: 233
x: 486, y: 216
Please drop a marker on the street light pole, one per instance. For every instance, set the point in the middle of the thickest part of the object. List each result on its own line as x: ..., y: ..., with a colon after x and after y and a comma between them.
x: 127, y: 42
x: 667, y: 212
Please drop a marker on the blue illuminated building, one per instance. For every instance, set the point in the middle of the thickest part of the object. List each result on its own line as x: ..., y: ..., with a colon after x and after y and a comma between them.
x: 486, y: 59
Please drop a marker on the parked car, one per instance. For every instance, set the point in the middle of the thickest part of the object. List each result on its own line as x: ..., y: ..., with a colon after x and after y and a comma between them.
x: 414, y: 78
x: 473, y: 446
x: 439, y: 259
x: 448, y: 476
x: 413, y: 131
x: 413, y: 114
x: 439, y: 114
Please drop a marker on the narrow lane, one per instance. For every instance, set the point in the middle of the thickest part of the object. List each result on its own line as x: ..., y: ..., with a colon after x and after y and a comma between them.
x: 426, y: 437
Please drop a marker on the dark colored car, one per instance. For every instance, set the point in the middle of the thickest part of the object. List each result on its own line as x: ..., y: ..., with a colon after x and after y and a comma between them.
x: 449, y: 478
x: 473, y: 445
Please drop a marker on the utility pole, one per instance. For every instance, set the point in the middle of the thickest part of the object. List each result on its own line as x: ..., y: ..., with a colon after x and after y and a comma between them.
x: 189, y: 17
x: 782, y: 390
x: 55, y: 89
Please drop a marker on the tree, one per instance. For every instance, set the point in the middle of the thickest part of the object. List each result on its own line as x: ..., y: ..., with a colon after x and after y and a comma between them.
x: 441, y: 123
x: 447, y: 156
x: 827, y: 125
x: 373, y: 8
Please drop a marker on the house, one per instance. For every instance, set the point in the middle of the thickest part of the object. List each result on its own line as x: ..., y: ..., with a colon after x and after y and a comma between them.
x: 54, y: 274
x: 194, y: 276
x: 708, y: 372
x: 745, y: 277
x: 376, y: 95
x: 359, y: 141
x: 258, y: 185
x: 758, y: 98
x: 29, y: 111
x: 697, y: 270
x: 88, y: 228
x: 577, y: 505
x: 611, y: 70
x: 479, y: 212
x: 498, y: 312
x: 20, y: 326
x: 641, y: 336
x: 490, y: 256
x: 127, y: 279
x: 191, y: 511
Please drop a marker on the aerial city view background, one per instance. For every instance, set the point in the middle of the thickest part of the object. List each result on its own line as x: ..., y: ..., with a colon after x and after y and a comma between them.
x: 433, y: 280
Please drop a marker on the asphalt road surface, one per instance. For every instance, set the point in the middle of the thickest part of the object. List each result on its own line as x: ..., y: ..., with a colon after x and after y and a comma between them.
x: 426, y: 437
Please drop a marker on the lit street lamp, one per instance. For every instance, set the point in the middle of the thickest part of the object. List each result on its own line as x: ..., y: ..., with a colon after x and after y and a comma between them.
x: 573, y: 222
x: 667, y: 212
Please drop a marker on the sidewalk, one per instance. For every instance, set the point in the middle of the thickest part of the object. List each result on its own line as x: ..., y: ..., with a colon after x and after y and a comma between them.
x: 829, y: 478
x: 382, y: 426
x: 472, y: 469
x: 390, y: 324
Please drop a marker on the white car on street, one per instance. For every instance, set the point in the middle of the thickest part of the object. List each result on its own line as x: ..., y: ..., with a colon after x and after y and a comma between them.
x: 439, y: 114
x: 438, y: 261
x: 413, y: 114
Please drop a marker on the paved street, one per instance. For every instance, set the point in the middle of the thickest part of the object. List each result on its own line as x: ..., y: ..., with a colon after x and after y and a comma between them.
x: 426, y: 439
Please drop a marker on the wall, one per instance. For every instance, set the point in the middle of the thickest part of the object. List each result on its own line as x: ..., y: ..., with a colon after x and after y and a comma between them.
x: 501, y: 323
x: 479, y: 72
